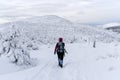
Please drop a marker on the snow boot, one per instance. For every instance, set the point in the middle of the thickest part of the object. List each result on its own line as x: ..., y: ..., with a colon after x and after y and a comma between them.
x: 61, y: 63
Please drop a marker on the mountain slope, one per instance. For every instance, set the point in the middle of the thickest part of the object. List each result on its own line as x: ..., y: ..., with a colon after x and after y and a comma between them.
x: 47, y: 29
x: 110, y: 25
x: 115, y: 27
x: 83, y: 62
x: 49, y: 19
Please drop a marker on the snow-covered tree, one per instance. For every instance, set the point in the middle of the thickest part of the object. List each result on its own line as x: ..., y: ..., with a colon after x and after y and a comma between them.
x: 15, y: 48
x: 94, y: 44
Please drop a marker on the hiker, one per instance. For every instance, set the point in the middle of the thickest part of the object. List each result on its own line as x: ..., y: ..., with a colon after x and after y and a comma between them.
x: 60, y: 49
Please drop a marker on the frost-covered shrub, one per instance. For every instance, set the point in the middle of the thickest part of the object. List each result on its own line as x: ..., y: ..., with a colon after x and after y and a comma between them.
x: 94, y: 44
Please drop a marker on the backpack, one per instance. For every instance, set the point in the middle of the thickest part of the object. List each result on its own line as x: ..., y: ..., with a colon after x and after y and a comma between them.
x: 60, y: 47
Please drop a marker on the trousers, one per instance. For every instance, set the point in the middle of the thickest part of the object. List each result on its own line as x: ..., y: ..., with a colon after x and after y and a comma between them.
x: 60, y: 58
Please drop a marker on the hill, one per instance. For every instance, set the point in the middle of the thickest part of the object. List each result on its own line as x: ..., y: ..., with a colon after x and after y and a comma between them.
x: 47, y: 29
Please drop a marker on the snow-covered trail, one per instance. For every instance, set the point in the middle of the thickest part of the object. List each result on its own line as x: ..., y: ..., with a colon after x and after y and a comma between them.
x: 51, y: 70
x: 83, y: 62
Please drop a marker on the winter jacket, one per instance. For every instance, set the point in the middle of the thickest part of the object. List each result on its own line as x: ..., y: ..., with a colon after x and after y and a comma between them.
x: 56, y: 47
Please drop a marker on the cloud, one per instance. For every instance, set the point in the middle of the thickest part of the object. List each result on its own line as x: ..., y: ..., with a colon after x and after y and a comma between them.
x: 84, y: 11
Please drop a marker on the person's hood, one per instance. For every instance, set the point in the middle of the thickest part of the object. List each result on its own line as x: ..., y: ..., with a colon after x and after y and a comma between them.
x: 60, y: 39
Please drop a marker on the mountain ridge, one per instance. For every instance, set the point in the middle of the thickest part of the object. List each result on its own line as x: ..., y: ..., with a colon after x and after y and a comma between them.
x: 47, y: 29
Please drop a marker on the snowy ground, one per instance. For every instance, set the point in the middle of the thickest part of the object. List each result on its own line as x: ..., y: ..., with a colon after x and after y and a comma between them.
x: 83, y: 62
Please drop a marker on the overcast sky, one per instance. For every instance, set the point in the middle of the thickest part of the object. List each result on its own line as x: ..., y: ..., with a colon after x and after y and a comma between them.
x: 83, y: 11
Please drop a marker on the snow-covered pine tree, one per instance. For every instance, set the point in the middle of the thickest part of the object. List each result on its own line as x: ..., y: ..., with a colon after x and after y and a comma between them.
x: 14, y: 47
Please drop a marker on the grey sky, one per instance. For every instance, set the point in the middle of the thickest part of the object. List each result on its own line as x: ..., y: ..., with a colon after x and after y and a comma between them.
x: 83, y: 11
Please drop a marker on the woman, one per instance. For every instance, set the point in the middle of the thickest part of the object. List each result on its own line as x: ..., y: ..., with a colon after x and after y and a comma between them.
x: 60, y: 49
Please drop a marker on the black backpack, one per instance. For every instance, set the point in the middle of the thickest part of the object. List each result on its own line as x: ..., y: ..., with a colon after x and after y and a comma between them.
x: 60, y: 48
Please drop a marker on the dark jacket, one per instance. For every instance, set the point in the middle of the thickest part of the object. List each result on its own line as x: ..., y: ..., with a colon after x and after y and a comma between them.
x: 56, y: 47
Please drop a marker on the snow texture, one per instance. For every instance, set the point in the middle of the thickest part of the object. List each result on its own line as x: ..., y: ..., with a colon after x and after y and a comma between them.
x: 83, y: 62
x: 93, y: 52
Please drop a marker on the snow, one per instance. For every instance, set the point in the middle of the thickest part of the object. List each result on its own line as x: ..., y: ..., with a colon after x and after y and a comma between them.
x: 6, y: 66
x: 83, y: 62
x: 111, y: 25
x: 41, y: 29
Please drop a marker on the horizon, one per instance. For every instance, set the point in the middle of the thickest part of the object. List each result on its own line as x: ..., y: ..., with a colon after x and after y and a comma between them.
x: 82, y: 11
x: 92, y: 24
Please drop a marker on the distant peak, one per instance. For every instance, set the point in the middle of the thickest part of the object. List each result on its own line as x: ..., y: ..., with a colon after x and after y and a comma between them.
x: 52, y: 16
x: 48, y: 19
x: 111, y: 25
